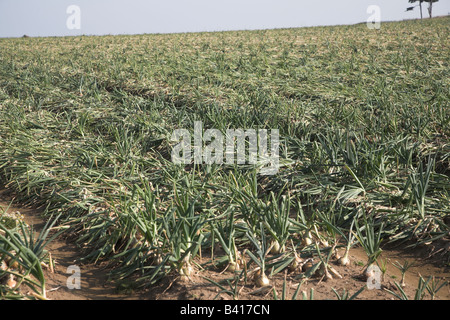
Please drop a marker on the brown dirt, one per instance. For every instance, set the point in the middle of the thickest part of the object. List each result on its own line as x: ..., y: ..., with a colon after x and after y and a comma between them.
x: 95, y: 284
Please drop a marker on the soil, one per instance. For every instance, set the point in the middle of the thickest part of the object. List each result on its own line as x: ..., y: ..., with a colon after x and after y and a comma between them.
x: 95, y: 285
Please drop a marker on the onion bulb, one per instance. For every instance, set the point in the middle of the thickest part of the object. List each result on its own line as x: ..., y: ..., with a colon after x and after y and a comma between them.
x: 233, y: 266
x: 158, y: 259
x: 186, y: 268
x: 275, y: 247
x: 11, y: 283
x: 307, y: 239
x: 369, y: 271
x: 3, y: 266
x: 403, y: 284
x: 295, y: 264
x: 261, y: 279
x: 325, y: 243
x: 336, y: 255
x: 323, y: 271
x: 344, y: 261
x: 185, y: 272
x: 236, y: 265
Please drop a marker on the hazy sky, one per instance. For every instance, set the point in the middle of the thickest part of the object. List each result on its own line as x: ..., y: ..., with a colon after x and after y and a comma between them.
x: 49, y: 17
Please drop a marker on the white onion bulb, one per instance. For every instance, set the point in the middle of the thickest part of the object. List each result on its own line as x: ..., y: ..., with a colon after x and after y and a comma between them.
x: 262, y: 280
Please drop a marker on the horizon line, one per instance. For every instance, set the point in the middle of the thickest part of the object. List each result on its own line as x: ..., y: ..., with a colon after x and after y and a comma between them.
x: 216, y: 31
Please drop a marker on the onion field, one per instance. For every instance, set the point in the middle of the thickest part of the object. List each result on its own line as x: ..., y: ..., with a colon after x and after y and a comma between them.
x: 86, y: 127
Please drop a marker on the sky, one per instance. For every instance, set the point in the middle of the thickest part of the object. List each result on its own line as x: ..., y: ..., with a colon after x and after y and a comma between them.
x: 99, y: 17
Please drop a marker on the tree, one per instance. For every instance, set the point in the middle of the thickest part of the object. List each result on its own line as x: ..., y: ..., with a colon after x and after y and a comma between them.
x: 430, y: 6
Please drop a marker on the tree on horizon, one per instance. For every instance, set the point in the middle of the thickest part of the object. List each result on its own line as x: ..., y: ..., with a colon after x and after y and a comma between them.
x: 430, y: 6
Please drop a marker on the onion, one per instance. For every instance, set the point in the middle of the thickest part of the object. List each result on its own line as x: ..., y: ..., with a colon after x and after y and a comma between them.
x: 344, y: 261
x: 324, y: 243
x: 261, y: 279
x: 276, y: 248
x: 186, y: 268
x: 307, y: 241
x: 323, y: 271
x: 369, y: 271
x: 11, y: 283
x: 184, y: 278
x: 159, y: 259
x: 185, y: 272
x: 233, y: 266
x: 156, y: 257
x: 295, y: 264
x: 336, y: 255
